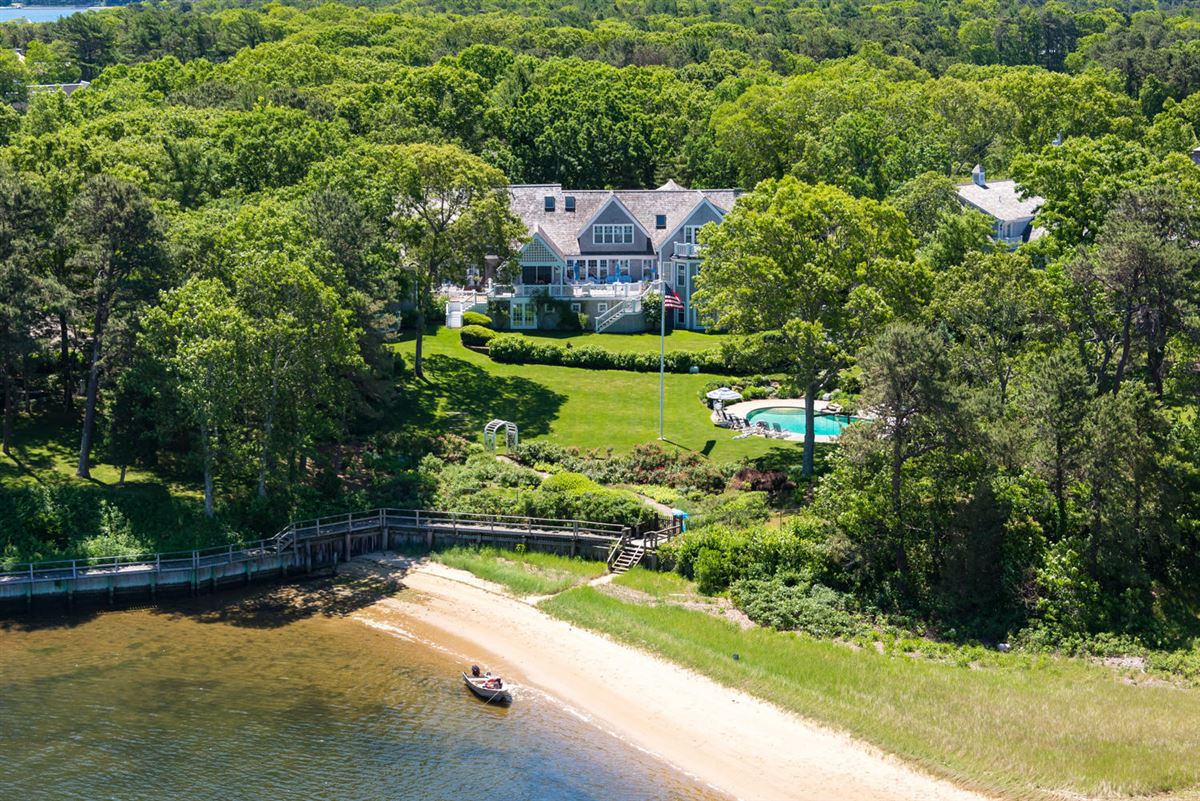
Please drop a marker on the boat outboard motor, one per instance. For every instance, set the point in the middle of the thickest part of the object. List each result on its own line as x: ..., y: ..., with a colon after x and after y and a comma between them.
x: 475, y: 671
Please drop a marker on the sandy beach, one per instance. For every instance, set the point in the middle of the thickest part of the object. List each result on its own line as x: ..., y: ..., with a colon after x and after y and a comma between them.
x: 738, y: 744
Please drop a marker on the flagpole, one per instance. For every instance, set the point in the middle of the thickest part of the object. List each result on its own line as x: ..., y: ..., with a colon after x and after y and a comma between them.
x: 662, y: 355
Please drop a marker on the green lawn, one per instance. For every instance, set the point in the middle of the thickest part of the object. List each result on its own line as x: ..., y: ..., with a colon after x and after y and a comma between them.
x: 586, y: 408
x: 526, y: 573
x: 49, y: 450
x: 1051, y: 728
x: 656, y: 583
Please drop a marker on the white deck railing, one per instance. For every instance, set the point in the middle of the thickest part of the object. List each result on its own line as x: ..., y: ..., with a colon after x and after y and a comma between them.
x: 571, y: 291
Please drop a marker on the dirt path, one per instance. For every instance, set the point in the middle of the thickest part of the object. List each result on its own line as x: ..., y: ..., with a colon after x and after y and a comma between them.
x: 730, y: 740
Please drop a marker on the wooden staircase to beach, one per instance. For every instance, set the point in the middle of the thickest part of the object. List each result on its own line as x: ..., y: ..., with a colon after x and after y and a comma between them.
x: 629, y: 555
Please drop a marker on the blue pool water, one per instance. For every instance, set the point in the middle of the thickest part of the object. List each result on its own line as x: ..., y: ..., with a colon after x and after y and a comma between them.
x: 791, y: 418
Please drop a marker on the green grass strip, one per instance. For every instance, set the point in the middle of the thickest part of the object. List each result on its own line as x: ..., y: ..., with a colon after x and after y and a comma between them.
x: 1024, y: 730
x: 522, y: 573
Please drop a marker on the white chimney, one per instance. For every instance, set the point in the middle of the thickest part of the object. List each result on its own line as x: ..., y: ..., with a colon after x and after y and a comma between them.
x: 978, y: 176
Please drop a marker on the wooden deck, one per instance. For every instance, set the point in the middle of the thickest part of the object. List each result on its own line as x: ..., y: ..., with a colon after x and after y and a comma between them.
x: 299, y: 548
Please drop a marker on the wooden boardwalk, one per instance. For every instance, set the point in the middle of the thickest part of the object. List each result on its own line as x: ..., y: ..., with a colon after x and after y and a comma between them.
x: 300, y: 548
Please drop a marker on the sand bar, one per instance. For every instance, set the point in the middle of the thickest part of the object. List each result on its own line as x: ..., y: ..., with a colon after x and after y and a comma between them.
x: 738, y: 744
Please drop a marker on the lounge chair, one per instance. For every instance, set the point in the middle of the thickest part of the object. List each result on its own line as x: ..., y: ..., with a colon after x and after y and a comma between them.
x: 779, y: 432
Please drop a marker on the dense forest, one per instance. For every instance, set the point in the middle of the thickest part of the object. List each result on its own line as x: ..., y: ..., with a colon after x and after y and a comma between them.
x: 206, y: 254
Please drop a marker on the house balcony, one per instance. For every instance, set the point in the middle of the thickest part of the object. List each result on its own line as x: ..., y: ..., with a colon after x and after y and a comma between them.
x: 686, y: 250
x: 574, y: 290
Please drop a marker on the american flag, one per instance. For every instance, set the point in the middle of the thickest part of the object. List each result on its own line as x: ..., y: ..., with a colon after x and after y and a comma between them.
x: 670, y: 299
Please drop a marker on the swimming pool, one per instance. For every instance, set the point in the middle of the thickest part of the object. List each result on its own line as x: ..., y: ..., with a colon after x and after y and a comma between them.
x: 791, y: 418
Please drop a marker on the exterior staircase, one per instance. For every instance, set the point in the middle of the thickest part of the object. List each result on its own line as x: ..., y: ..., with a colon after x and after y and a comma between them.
x: 625, y: 307
x: 629, y: 555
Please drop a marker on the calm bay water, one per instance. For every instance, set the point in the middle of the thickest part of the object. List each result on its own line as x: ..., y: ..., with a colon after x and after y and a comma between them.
x: 205, y: 704
x: 39, y: 13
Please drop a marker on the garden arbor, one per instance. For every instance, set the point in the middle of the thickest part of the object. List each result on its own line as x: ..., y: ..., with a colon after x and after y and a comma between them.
x: 511, y: 437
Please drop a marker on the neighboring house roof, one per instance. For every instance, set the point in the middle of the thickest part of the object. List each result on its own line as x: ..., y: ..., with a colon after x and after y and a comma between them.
x: 563, y: 228
x: 1000, y: 199
x: 66, y: 88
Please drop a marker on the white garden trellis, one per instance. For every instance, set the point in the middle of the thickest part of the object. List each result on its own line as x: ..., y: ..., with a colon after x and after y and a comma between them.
x: 511, y: 437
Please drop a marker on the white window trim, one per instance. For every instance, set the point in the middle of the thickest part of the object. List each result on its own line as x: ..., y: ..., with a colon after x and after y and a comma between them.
x: 601, y: 308
x: 528, y: 316
x: 615, y: 234
x: 690, y: 232
x: 576, y: 307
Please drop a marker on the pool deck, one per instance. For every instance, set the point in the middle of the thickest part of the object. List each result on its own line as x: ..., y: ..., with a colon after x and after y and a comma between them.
x: 744, y: 408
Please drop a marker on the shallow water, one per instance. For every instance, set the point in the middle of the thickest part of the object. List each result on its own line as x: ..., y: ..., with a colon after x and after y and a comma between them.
x: 199, y: 703
x: 39, y: 13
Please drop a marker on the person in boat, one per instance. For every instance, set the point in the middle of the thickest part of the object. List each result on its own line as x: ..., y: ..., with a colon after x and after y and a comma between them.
x: 492, y: 683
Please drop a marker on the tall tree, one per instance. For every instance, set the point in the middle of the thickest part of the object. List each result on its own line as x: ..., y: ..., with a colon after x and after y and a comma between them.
x: 1053, y: 396
x: 905, y: 386
x: 116, y: 237
x: 25, y: 286
x: 1141, y: 283
x: 451, y: 212
x: 91, y: 38
x: 303, y: 348
x: 995, y: 306
x: 820, y: 268
x: 203, y: 341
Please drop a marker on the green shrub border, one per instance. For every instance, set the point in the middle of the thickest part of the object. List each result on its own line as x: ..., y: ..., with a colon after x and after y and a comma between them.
x: 517, y: 349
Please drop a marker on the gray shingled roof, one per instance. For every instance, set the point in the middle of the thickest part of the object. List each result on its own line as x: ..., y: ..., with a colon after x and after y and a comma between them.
x: 1000, y: 199
x: 563, y: 227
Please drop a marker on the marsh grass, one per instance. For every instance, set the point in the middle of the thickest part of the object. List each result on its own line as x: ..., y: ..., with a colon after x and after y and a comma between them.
x: 522, y: 573
x: 1020, y: 728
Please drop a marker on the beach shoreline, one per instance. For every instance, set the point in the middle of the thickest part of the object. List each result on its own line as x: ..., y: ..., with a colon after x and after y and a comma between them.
x: 735, y: 743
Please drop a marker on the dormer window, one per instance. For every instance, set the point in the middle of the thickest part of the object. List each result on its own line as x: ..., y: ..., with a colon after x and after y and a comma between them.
x: 549, y: 202
x: 660, y: 221
x: 569, y: 203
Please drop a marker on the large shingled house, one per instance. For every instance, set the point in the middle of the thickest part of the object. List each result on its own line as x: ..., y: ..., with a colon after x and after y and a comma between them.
x: 601, y: 251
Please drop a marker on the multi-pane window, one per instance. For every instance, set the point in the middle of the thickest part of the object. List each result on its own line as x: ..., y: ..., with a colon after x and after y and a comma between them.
x: 690, y: 232
x: 523, y: 315
x: 612, y: 235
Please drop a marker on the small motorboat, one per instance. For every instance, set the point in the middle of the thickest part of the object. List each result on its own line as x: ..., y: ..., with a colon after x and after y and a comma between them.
x: 488, y: 687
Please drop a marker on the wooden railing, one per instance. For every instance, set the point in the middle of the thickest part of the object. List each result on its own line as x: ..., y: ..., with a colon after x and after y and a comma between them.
x: 297, y: 534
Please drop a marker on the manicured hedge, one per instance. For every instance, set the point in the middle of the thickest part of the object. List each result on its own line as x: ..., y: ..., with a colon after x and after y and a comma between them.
x: 476, y: 318
x: 515, y: 349
x: 730, y: 358
x: 476, y: 335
